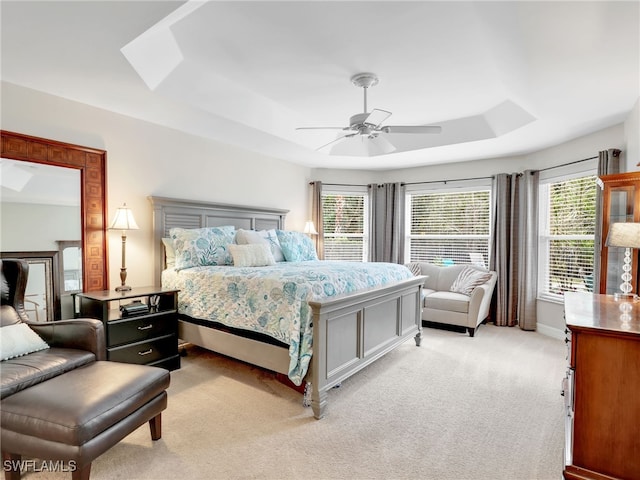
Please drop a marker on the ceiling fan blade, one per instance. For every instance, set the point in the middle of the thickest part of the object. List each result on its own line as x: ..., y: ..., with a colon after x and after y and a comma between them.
x: 411, y: 129
x: 348, y: 135
x: 322, y: 128
x: 376, y: 117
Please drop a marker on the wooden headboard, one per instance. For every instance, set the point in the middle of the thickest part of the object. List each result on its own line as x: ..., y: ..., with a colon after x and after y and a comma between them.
x: 169, y: 213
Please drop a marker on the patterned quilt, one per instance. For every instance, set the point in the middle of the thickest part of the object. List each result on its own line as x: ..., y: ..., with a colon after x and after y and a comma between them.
x: 273, y: 300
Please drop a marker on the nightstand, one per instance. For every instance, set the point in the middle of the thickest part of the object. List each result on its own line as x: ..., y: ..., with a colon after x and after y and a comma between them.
x: 145, y: 331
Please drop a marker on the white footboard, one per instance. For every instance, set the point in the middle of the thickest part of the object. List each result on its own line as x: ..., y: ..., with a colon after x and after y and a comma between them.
x: 351, y: 331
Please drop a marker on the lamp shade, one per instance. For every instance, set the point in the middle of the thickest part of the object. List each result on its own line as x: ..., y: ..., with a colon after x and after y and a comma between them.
x: 362, y: 146
x: 310, y: 228
x: 123, y: 219
x: 624, y: 235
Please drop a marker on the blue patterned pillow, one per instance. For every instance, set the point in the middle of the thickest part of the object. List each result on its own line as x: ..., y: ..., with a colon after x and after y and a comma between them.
x: 296, y: 246
x: 202, y: 246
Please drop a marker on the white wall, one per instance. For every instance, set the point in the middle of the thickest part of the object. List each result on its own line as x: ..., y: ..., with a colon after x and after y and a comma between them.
x: 632, y: 138
x: 144, y: 159
x: 28, y: 227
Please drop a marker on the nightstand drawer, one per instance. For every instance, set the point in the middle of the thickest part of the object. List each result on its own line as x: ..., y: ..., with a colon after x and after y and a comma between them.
x: 145, y: 352
x: 136, y: 329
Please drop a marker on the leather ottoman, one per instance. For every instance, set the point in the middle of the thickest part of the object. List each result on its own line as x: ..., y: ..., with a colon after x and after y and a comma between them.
x: 77, y: 416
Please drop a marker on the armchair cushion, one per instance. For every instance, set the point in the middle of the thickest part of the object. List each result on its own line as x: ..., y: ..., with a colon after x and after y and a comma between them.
x: 17, y: 340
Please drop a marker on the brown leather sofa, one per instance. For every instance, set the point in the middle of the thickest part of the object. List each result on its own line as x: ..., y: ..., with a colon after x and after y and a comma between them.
x: 65, y: 403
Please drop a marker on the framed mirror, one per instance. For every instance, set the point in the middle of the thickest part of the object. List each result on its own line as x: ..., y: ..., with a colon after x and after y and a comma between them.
x: 91, y: 163
x: 42, y: 296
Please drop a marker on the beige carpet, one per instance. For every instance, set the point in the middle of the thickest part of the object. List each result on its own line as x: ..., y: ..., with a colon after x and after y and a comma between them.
x: 457, y: 407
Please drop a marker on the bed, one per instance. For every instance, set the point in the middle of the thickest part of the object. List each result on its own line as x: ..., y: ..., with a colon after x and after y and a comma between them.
x: 348, y: 330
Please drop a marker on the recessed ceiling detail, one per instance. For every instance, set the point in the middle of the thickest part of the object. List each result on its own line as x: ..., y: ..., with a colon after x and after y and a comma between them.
x: 500, y: 78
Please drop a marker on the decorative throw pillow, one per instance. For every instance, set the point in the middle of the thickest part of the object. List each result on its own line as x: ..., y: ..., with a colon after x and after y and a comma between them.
x: 202, y: 246
x: 17, y: 340
x: 415, y: 268
x: 252, y: 255
x: 296, y: 246
x: 269, y: 237
x: 468, y: 279
x: 169, y: 253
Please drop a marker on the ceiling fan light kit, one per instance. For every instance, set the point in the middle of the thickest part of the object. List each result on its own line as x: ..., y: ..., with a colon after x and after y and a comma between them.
x: 366, y: 135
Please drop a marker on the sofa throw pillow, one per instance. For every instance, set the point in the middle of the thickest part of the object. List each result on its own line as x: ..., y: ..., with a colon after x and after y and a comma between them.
x: 468, y: 279
x: 268, y: 237
x: 202, y: 246
x: 296, y: 246
x: 252, y: 255
x: 18, y: 339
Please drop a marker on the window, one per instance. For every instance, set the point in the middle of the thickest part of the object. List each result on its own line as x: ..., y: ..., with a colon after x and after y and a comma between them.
x: 566, y: 235
x: 449, y: 227
x: 345, y: 223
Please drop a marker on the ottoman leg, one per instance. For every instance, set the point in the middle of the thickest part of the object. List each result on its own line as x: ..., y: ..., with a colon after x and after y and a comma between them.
x: 81, y: 473
x: 155, y: 424
x: 11, y: 466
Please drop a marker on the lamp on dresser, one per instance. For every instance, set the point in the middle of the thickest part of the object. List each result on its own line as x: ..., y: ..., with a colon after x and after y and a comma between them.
x: 627, y: 236
x: 124, y: 221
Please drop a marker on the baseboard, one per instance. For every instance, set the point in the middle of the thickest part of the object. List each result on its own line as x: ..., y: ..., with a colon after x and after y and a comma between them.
x: 550, y: 331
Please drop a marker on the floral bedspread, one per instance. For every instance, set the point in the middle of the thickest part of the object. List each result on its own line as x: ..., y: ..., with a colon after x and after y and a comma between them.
x: 273, y: 300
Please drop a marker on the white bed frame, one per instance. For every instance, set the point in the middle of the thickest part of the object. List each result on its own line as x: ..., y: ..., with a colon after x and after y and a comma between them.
x: 349, y: 331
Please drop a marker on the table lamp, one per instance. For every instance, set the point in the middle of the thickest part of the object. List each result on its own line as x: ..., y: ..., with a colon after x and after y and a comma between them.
x: 627, y: 236
x: 123, y: 221
x: 310, y: 228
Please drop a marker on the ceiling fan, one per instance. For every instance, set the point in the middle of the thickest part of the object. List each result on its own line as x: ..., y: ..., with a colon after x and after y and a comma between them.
x: 366, y: 136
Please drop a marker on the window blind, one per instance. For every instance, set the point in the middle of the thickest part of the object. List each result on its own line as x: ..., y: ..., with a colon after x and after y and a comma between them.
x: 448, y: 228
x: 566, y: 239
x: 344, y: 226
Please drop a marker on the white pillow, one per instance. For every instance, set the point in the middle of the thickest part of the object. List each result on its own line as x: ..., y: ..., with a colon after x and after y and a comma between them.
x: 17, y: 340
x: 468, y: 279
x: 169, y: 252
x: 253, y: 255
x: 268, y: 237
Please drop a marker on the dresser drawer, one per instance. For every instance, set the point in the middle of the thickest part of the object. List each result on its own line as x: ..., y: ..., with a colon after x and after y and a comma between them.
x: 137, y: 329
x: 145, y: 352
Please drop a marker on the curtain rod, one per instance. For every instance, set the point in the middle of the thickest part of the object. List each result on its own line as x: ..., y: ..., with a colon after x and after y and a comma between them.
x: 569, y: 163
x: 447, y: 181
x: 340, y: 184
x: 405, y: 183
x: 457, y: 179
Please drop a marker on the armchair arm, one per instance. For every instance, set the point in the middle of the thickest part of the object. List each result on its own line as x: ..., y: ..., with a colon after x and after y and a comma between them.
x: 81, y: 333
x: 481, y: 299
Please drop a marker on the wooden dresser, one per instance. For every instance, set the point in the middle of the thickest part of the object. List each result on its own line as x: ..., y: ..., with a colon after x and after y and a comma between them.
x: 602, y: 388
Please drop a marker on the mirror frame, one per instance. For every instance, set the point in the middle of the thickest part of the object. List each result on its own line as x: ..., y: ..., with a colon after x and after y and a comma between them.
x: 92, y: 165
x: 51, y: 273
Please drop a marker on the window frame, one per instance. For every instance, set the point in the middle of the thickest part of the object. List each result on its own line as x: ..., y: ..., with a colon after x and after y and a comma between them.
x: 353, y: 190
x: 478, y: 185
x: 552, y: 176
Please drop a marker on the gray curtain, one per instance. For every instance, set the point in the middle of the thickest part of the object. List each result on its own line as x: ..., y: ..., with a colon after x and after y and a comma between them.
x: 504, y: 302
x: 316, y: 217
x: 525, y: 247
x: 386, y: 222
x: 608, y: 163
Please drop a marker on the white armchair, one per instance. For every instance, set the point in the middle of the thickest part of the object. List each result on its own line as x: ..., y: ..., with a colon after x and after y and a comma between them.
x: 441, y: 305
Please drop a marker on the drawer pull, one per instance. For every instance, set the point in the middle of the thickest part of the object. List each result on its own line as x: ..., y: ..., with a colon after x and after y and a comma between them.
x: 146, y: 327
x: 146, y: 352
